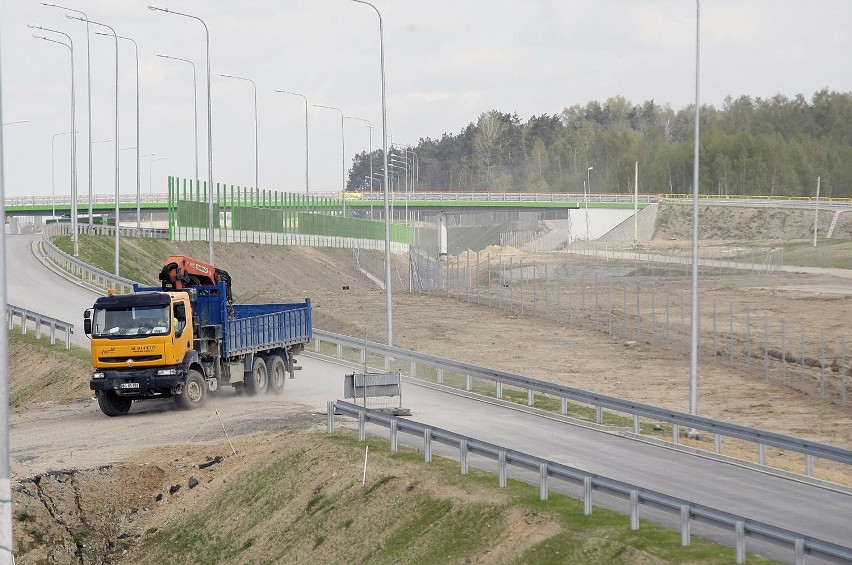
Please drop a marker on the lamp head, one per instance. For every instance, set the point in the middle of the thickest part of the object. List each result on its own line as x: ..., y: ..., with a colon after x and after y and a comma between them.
x: 158, y: 9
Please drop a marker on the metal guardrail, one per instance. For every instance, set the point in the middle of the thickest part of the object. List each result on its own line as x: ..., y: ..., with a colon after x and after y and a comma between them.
x: 688, y: 511
x: 40, y: 320
x: 88, y: 274
x: 762, y: 438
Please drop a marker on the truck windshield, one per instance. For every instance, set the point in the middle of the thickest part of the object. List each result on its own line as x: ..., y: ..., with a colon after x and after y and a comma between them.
x: 130, y: 322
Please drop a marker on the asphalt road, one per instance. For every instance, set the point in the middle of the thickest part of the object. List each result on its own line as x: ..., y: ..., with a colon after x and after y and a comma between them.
x: 786, y: 503
x: 33, y: 286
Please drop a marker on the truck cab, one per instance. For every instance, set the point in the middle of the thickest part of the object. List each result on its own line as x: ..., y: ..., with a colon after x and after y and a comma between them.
x: 142, y: 347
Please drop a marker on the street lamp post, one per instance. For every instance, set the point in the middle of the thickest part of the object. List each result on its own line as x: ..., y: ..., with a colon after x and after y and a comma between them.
x: 150, y: 171
x: 209, y: 128
x: 117, y: 207
x: 53, y: 168
x: 693, y: 349
x: 194, y: 107
x: 88, y: 97
x: 70, y: 46
x: 586, y: 194
x: 343, y: 162
x: 256, y: 168
x: 138, y: 192
x: 388, y: 290
x: 370, y: 130
x: 6, y: 538
x: 307, y: 184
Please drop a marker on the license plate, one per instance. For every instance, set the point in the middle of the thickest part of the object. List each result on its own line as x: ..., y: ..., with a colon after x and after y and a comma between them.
x: 129, y: 385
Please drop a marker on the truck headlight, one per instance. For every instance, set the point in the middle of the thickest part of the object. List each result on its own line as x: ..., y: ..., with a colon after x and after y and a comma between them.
x: 164, y: 372
x: 98, y: 375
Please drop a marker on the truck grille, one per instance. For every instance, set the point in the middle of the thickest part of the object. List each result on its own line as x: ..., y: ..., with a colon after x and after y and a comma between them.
x: 135, y: 359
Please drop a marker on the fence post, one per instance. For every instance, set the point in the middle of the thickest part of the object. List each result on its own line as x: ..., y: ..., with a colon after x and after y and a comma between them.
x: 740, y: 530
x: 394, y: 430
x: 362, y: 425
x: 463, y: 456
x: 330, y: 412
x: 427, y: 445
x: 501, y: 466
x: 587, y: 496
x: 684, y: 526
x: 542, y: 481
x: 634, y: 510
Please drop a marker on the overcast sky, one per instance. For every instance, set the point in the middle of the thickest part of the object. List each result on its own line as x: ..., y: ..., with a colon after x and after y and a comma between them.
x: 447, y: 61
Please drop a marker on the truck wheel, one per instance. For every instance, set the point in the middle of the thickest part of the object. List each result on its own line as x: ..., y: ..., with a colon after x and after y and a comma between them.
x: 277, y: 374
x: 194, y: 392
x: 258, y: 379
x: 111, y: 404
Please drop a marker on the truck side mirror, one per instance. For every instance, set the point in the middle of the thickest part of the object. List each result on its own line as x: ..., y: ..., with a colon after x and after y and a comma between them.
x: 87, y: 322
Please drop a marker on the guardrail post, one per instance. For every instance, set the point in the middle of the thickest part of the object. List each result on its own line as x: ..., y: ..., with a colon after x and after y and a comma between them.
x: 740, y: 530
x: 684, y: 526
x: 599, y: 414
x: 587, y: 496
x: 717, y: 443
x: 463, y: 456
x: 675, y: 434
x: 530, y: 398
x: 809, y: 465
x: 316, y: 345
x: 67, y: 337
x: 412, y: 370
x: 501, y: 467
x: 52, y: 332
x: 761, y: 454
x: 387, y: 363
x: 362, y: 356
x: 24, y: 316
x: 542, y: 481
x: 38, y: 326
x: 800, y: 551
x: 330, y: 412
x: 468, y: 383
x: 339, y: 351
x: 440, y: 375
x: 636, y: 427
x: 563, y: 406
x: 427, y: 445
x: 362, y: 425
x: 634, y: 510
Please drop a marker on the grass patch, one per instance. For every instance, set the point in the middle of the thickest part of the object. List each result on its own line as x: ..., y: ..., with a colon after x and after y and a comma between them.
x: 417, y: 513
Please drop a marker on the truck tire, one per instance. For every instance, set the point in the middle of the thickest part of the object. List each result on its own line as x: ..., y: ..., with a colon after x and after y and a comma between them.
x: 257, y: 381
x: 111, y: 404
x: 277, y: 374
x: 194, y: 392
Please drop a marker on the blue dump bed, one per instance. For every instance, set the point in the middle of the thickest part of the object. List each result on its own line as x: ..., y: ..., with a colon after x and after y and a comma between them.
x: 249, y: 327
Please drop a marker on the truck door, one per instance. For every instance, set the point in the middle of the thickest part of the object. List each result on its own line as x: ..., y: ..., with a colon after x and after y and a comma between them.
x: 182, y: 330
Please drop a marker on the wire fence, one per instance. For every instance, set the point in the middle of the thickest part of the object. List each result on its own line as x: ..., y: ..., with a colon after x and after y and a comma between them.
x: 647, y: 301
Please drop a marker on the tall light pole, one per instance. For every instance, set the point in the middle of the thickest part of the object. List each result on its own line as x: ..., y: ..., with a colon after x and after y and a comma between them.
x: 6, y: 539
x: 70, y: 45
x: 256, y: 151
x: 307, y: 183
x: 816, y: 212
x: 209, y: 127
x: 343, y: 154
x: 586, y: 194
x: 194, y: 107
x: 150, y: 171
x: 138, y: 192
x: 369, y: 129
x: 388, y: 290
x: 53, y: 168
x: 88, y: 96
x: 693, y: 351
x: 117, y: 197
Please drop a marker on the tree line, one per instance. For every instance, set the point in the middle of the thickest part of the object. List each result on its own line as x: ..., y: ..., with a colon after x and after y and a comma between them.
x: 751, y: 146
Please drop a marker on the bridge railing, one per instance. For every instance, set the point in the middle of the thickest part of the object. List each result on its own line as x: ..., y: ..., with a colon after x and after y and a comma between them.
x: 88, y: 274
x: 41, y: 322
x: 679, y: 421
x: 591, y: 483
